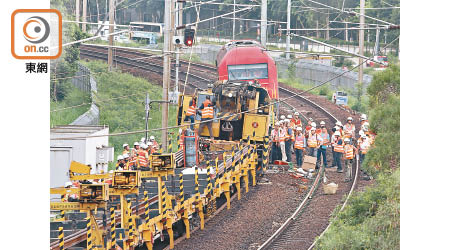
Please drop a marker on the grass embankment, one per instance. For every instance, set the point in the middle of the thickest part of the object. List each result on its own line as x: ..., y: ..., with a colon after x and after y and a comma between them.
x: 371, y: 220
x: 128, y: 113
x: 66, y: 116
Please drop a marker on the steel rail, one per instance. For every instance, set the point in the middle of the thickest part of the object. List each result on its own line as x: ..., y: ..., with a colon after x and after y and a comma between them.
x: 139, y: 64
x: 293, y: 217
x: 343, y: 205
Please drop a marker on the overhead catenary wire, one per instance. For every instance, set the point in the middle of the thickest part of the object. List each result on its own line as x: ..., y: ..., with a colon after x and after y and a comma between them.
x: 243, y: 112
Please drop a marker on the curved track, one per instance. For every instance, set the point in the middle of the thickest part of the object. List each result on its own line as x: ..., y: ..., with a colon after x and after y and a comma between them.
x: 298, y: 232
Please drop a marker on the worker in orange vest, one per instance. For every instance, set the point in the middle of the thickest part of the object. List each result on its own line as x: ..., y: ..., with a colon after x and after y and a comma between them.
x: 120, y: 163
x: 312, y: 140
x: 349, y: 153
x: 135, y: 149
x: 289, y: 138
x: 154, y: 145
x: 349, y: 129
x: 190, y: 112
x: 323, y: 142
x: 338, y: 151
x: 299, y: 145
x: 276, y: 150
x: 296, y: 122
x: 207, y: 111
x: 142, y: 157
x: 69, y: 197
x: 126, y: 149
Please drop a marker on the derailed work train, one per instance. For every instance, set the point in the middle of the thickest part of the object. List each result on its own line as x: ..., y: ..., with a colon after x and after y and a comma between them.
x: 242, y: 111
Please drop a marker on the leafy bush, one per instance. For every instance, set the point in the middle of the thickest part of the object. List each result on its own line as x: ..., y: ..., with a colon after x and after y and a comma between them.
x: 370, y: 221
x: 384, y: 84
x: 372, y: 218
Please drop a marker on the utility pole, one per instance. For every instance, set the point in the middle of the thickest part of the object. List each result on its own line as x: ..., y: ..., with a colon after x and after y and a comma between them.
x: 328, y: 26
x: 288, y: 30
x: 166, y: 72
x: 77, y: 12
x: 111, y: 30
x: 178, y: 22
x: 264, y: 22
x: 377, y: 41
x: 346, y: 32
x: 84, y: 15
x: 234, y: 17
x: 362, y: 4
x: 147, y: 113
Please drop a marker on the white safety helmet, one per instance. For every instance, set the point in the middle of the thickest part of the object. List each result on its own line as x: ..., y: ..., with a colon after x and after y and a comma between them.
x: 311, y: 119
x: 120, y: 157
x: 125, y: 145
x: 338, y: 123
x: 142, y: 145
x: 126, y: 156
x: 143, y: 139
x: 364, y: 136
x: 313, y: 124
x: 67, y: 184
x: 152, y: 138
x: 313, y: 128
x: 337, y: 133
x: 347, y: 140
x: 277, y: 123
x: 299, y: 128
x: 287, y: 120
x: 282, y: 117
x: 296, y: 113
x: 289, y: 116
x: 349, y: 118
x: 363, y: 117
x: 136, y: 144
x: 337, y: 128
x: 322, y: 123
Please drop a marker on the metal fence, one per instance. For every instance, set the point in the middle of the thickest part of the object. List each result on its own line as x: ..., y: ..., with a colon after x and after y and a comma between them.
x: 312, y: 72
x: 84, y: 81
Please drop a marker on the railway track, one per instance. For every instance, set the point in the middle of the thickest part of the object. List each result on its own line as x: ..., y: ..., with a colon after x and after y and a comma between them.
x: 314, y: 210
x: 143, y: 64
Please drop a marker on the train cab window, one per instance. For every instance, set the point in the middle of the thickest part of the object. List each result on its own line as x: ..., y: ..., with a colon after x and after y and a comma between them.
x: 248, y: 71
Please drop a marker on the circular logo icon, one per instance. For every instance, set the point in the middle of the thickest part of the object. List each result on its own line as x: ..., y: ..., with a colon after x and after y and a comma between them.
x: 36, y: 29
x: 255, y: 124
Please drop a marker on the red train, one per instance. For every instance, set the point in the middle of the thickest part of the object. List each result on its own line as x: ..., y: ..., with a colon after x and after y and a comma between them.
x: 248, y: 60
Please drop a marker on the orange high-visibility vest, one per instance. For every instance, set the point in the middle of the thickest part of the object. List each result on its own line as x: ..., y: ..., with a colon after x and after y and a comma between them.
x: 364, y: 146
x: 190, y: 111
x: 338, y: 148
x: 208, y: 113
x: 312, y: 141
x: 297, y: 122
x: 142, y: 158
x: 348, y: 149
x: 299, y: 142
x: 349, y: 129
x: 275, y: 136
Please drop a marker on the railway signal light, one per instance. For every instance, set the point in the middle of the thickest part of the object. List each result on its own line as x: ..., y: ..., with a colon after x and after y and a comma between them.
x: 189, y: 37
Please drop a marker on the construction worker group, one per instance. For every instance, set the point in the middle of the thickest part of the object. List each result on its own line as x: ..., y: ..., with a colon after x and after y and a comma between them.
x: 137, y: 157
x: 289, y: 137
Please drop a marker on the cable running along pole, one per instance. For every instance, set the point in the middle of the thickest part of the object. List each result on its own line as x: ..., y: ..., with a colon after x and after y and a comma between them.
x: 243, y: 112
